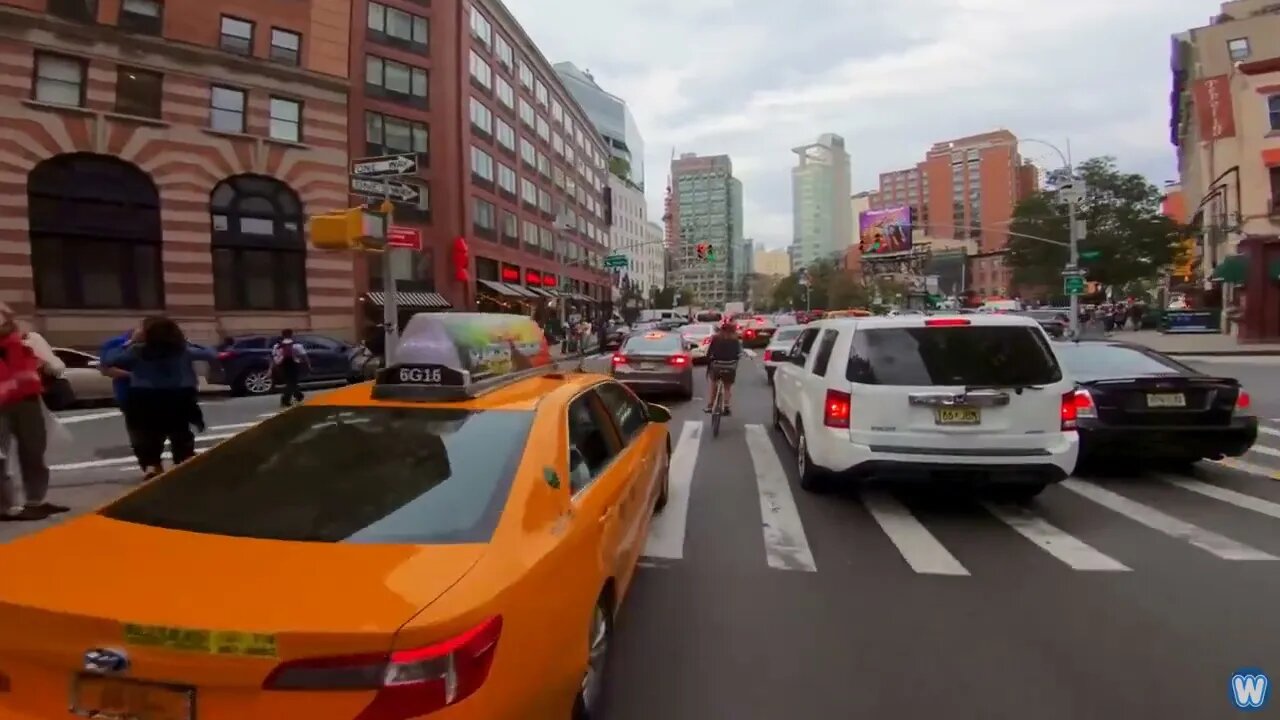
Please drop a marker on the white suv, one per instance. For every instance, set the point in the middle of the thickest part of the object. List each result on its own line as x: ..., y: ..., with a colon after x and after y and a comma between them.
x: 966, y: 398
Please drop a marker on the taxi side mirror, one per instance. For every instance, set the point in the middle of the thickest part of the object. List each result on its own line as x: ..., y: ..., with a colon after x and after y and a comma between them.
x: 658, y: 413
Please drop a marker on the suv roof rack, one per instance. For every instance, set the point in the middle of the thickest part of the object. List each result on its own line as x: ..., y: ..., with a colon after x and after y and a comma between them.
x: 449, y: 357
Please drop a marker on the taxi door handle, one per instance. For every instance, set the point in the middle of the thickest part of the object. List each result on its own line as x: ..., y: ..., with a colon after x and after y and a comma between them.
x: 607, y: 515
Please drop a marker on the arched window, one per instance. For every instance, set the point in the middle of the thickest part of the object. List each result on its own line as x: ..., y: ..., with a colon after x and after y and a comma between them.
x: 259, y: 254
x: 95, y: 234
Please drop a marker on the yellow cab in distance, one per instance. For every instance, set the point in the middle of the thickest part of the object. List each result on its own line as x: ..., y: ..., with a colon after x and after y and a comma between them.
x: 450, y: 541
x: 855, y: 312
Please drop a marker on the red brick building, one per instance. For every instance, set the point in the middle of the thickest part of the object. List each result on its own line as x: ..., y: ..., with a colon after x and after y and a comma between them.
x: 163, y: 156
x: 508, y: 160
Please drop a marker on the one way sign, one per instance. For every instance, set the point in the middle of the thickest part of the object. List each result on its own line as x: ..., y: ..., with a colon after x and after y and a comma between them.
x: 397, y: 191
x: 386, y: 165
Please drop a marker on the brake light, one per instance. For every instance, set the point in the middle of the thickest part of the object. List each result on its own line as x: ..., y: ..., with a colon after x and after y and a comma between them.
x: 679, y: 360
x: 1075, y: 405
x: 619, y: 359
x: 1085, y: 409
x: 706, y: 340
x: 946, y: 322
x: 408, y: 683
x: 1243, y: 401
x: 226, y: 355
x: 836, y: 409
x: 768, y: 356
x: 749, y: 334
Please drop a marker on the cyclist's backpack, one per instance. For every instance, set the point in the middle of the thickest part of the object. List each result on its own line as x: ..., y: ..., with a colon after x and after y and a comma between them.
x: 283, y: 356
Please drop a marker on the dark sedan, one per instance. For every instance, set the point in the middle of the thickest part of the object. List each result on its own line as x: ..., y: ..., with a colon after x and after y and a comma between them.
x: 1054, y: 321
x: 1134, y: 403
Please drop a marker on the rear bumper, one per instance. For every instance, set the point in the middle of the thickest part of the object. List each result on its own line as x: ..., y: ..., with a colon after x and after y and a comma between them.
x: 653, y: 382
x: 1099, y: 441
x: 969, y: 474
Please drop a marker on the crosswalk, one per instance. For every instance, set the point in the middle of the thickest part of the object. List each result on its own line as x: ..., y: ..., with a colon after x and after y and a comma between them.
x: 212, y: 435
x: 1058, y: 535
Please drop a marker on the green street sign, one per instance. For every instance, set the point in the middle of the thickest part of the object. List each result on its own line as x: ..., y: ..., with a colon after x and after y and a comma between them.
x: 1073, y: 284
x: 1090, y: 254
x: 616, y: 261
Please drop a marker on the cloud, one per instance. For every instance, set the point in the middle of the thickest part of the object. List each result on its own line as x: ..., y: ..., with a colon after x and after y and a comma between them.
x: 754, y: 78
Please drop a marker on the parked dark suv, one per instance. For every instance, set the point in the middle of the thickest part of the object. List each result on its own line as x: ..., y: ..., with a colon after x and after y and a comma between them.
x: 245, y: 362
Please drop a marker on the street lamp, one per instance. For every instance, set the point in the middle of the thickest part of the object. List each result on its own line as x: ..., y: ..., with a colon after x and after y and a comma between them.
x: 1073, y: 192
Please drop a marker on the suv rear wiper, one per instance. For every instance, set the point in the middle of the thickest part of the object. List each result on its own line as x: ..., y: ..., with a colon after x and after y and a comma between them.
x: 1016, y: 387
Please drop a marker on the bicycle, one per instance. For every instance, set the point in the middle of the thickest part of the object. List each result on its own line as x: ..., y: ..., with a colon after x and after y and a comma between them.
x: 717, y: 394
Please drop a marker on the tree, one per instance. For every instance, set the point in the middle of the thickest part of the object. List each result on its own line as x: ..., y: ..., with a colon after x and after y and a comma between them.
x: 760, y: 290
x: 830, y: 288
x: 1133, y: 239
x: 686, y: 298
x: 620, y: 167
x: 663, y: 299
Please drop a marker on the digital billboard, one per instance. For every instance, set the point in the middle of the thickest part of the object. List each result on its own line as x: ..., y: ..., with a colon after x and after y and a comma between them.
x: 885, y: 232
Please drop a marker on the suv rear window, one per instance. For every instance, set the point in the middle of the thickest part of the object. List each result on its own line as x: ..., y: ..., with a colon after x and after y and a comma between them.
x: 345, y: 474
x: 976, y: 355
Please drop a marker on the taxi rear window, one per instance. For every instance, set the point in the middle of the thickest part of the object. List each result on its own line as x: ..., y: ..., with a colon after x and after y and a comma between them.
x: 325, y: 474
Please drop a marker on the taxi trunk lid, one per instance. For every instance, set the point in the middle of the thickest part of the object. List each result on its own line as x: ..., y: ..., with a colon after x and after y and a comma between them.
x: 190, y: 608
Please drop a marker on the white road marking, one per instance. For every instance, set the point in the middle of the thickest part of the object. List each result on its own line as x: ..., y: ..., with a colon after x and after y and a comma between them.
x: 1247, y: 467
x: 918, y: 546
x: 1077, y: 554
x: 1268, y: 431
x: 1264, y: 450
x: 1211, y: 542
x: 1239, y: 499
x: 749, y: 352
x: 72, y: 419
x: 667, y: 530
x: 109, y: 462
x: 785, y: 545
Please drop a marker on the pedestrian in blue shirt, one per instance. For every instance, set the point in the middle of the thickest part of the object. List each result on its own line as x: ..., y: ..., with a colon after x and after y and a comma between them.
x: 120, y: 386
x: 163, y: 392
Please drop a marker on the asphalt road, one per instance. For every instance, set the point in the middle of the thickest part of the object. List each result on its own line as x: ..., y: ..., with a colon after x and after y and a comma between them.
x: 1124, y: 597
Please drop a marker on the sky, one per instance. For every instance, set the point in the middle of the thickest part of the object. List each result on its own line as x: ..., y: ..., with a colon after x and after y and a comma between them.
x: 755, y: 78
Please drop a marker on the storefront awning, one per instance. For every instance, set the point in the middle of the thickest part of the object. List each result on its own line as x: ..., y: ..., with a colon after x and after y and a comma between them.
x: 537, y: 291
x: 1235, y: 270
x: 501, y: 288
x: 406, y: 299
x: 522, y: 291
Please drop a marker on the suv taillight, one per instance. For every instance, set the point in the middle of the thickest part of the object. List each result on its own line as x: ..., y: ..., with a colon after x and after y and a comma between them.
x: 1243, y: 401
x: 836, y: 409
x: 407, y: 683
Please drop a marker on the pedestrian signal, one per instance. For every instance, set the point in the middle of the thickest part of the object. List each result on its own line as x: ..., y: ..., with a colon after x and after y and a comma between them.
x: 711, y: 253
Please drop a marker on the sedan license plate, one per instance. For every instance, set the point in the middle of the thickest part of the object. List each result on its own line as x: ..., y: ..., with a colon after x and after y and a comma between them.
x: 1166, y: 400
x: 958, y: 416
x: 646, y: 366
x: 105, y: 698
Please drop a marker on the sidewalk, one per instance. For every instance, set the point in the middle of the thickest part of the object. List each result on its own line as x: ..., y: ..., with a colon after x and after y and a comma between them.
x: 1194, y: 344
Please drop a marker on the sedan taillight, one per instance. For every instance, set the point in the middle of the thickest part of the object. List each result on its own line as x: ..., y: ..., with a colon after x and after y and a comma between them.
x: 679, y: 360
x: 1243, y: 401
x: 1077, y: 404
x: 619, y: 359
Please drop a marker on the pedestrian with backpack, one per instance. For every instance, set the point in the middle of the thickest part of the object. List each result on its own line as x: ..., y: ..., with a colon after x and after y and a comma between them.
x: 26, y: 364
x: 288, y: 361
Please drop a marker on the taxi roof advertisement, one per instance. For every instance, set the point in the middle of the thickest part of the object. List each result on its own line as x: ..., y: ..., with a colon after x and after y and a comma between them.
x: 483, y: 344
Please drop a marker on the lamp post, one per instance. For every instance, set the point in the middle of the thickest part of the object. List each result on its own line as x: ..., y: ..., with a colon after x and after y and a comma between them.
x: 1073, y: 193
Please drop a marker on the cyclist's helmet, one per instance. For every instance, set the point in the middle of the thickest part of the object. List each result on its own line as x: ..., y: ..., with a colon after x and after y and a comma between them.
x: 728, y: 325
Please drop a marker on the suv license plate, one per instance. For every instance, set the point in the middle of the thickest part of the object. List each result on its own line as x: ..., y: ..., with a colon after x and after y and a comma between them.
x: 1166, y: 400
x: 958, y: 416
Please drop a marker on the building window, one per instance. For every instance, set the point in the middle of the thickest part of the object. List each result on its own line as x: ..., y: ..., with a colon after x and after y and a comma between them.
x: 388, y: 135
x: 481, y: 73
x: 544, y: 129
x: 530, y: 232
x: 527, y: 115
x: 1275, y: 191
x: 59, y: 80
x: 138, y: 92
x: 557, y: 112
x: 286, y: 120
x: 506, y: 57
x: 506, y: 135
x: 526, y: 75
x: 237, y: 36
x: 94, y: 226
x: 226, y: 109
x: 480, y: 27
x: 527, y: 153
x: 259, y: 254
x: 286, y: 46
x: 481, y: 165
x: 1273, y: 110
x: 510, y: 227
x: 507, y: 180
x: 481, y: 117
x: 540, y: 93
x: 529, y: 192
x: 79, y: 10
x: 1238, y: 48
x: 390, y: 26
x: 544, y: 201
x: 544, y: 165
x: 506, y: 94
x: 395, y: 81
x: 141, y: 16
x: 484, y: 220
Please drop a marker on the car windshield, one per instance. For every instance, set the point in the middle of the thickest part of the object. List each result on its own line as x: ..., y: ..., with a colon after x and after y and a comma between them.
x: 659, y: 343
x: 788, y: 334
x: 345, y: 474
x: 976, y: 355
x: 1097, y: 361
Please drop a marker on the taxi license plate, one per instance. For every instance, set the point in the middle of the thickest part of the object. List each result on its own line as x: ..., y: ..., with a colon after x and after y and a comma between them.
x: 105, y: 698
x: 958, y: 416
x: 1166, y: 400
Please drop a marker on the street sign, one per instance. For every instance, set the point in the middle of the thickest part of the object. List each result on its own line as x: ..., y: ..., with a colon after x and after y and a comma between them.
x: 397, y: 191
x: 386, y: 165
x: 1073, y: 284
x: 1074, y: 271
x: 403, y: 237
x: 1090, y: 254
x: 616, y: 261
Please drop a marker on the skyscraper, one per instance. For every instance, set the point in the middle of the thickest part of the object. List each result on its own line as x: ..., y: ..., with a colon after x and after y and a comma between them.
x: 610, y: 115
x: 820, y: 189
x: 706, y: 210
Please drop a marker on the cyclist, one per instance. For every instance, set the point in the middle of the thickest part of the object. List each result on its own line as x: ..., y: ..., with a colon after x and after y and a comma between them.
x: 722, y: 362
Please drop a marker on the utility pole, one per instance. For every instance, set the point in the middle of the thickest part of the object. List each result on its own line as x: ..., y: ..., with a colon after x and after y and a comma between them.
x: 1073, y: 196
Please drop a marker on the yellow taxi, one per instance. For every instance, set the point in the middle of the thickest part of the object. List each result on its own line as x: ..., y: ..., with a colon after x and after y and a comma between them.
x: 449, y: 541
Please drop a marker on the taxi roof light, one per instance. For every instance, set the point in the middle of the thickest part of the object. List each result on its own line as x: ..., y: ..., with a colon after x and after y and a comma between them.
x: 460, y: 356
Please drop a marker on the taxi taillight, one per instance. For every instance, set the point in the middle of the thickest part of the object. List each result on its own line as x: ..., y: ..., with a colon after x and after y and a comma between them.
x: 407, y: 683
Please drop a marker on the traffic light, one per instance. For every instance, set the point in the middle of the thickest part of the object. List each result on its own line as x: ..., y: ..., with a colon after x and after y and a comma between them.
x: 338, y: 230
x: 702, y: 251
x: 711, y: 253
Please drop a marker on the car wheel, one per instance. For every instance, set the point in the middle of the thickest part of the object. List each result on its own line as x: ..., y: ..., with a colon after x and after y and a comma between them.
x: 255, y: 382
x: 777, y: 416
x: 812, y: 477
x: 590, y: 700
